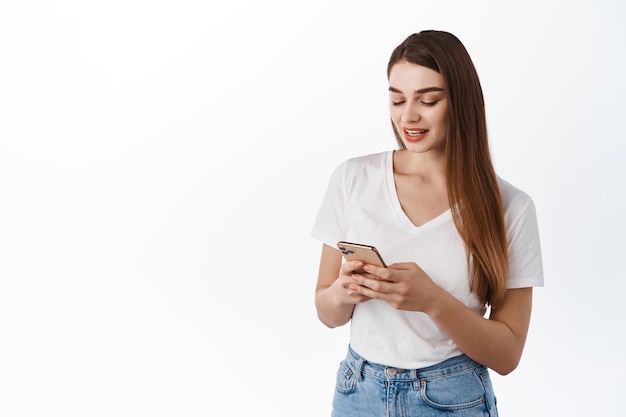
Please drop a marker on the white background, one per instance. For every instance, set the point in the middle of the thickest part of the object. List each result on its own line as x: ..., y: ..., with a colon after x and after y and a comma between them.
x: 161, y: 164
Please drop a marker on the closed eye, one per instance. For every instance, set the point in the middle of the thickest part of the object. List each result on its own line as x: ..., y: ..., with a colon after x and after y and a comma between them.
x: 429, y: 103
x: 397, y: 103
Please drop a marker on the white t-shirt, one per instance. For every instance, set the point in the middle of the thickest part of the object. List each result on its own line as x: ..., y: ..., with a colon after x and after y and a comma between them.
x: 361, y: 206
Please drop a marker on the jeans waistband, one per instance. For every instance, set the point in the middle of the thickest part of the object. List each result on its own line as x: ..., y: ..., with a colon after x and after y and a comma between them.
x: 448, y: 367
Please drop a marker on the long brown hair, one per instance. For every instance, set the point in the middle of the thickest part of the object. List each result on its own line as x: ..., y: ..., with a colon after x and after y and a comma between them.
x: 473, y: 191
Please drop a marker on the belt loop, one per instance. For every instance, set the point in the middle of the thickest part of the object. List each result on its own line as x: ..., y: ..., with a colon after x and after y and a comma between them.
x: 415, y: 379
x: 358, y: 369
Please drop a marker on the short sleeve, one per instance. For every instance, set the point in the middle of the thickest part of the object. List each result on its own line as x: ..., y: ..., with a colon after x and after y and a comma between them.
x: 330, y: 226
x: 525, y: 260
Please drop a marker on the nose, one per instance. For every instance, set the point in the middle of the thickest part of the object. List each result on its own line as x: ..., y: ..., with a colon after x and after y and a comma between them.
x: 411, y: 113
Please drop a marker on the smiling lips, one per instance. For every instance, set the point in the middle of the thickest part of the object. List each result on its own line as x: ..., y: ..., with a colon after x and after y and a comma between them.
x: 414, y: 135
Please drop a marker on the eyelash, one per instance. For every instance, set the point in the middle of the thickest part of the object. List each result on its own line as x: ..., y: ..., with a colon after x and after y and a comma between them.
x: 424, y: 103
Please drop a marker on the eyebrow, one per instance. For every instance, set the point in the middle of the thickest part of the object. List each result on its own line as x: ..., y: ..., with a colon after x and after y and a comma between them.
x: 421, y: 91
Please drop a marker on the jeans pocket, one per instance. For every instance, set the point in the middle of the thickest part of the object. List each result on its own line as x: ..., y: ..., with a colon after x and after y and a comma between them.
x: 458, y: 391
x: 346, y: 378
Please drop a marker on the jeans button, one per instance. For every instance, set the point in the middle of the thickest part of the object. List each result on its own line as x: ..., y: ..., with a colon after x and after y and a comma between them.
x: 391, y: 371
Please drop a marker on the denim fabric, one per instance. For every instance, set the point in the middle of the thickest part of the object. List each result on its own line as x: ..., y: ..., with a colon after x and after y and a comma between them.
x: 457, y: 387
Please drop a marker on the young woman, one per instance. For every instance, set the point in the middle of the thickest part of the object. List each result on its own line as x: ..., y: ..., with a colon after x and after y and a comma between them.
x: 457, y: 239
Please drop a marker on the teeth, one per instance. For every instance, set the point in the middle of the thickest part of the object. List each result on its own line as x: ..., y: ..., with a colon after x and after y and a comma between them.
x: 415, y: 132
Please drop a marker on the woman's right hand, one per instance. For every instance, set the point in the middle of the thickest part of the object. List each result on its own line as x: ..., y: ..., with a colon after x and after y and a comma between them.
x: 334, y: 300
x: 343, y: 293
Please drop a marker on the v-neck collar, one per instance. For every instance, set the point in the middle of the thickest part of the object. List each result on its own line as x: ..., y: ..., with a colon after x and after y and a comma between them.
x: 397, y: 207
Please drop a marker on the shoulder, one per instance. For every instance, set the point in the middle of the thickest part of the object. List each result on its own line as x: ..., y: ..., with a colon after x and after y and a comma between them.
x: 513, y: 197
x: 516, y: 203
x: 374, y: 160
x: 360, y: 166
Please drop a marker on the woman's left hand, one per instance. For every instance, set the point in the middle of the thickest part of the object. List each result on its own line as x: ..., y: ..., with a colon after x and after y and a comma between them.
x: 496, y: 342
x: 404, y: 286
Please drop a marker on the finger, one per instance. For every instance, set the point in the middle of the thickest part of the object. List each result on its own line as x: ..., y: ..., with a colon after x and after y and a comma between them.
x: 366, y: 275
x: 355, y: 294
x: 380, y: 272
x: 404, y: 266
x: 368, y: 293
x: 350, y: 266
x: 374, y: 284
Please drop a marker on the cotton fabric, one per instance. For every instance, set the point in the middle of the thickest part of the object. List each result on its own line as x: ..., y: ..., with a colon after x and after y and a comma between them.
x: 361, y: 206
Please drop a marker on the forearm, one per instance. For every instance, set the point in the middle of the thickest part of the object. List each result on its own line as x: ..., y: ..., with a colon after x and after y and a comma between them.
x: 330, y: 310
x: 490, y: 342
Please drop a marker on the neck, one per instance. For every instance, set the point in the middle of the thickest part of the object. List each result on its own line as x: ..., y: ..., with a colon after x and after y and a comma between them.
x: 429, y: 166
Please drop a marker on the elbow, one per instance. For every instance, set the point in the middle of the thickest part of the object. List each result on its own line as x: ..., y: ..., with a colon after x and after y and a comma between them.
x: 505, y: 370
x: 507, y: 366
x: 330, y: 325
x: 325, y: 322
x: 328, y: 322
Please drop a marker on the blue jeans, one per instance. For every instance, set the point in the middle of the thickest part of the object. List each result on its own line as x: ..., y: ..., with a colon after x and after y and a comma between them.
x: 456, y: 387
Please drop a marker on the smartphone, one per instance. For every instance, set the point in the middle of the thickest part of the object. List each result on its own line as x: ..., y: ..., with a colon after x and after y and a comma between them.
x: 366, y: 253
